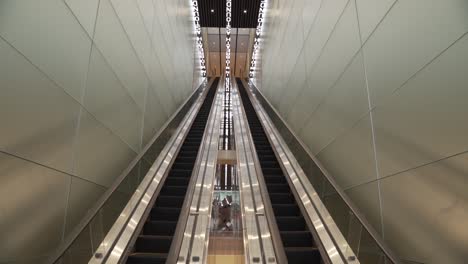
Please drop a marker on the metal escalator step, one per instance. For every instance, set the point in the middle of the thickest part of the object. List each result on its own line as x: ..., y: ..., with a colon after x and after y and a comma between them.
x: 278, y: 188
x: 291, y: 223
x: 147, y: 258
x: 193, y: 139
x: 178, y: 181
x: 169, y: 201
x: 269, y: 163
x: 267, y: 158
x: 297, y: 238
x: 187, y: 154
x: 265, y: 152
x: 275, y: 179
x: 181, y: 159
x: 262, y: 147
x: 195, y: 133
x: 272, y: 171
x: 281, y: 198
x: 180, y: 173
x: 300, y: 255
x: 183, y: 166
x: 190, y: 148
x: 160, y: 227
x: 154, y: 244
x: 286, y: 210
x: 165, y: 213
x: 191, y: 143
x: 173, y: 190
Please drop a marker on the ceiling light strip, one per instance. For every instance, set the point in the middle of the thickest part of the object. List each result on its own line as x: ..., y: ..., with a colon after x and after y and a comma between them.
x: 199, y: 38
x: 258, y: 32
x: 228, y: 41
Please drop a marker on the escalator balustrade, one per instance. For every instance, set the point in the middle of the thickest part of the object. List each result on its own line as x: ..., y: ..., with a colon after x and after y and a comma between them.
x: 154, y: 242
x: 297, y: 240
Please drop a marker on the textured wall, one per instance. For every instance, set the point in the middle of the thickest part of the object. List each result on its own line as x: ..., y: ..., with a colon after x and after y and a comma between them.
x: 84, y: 86
x: 378, y: 89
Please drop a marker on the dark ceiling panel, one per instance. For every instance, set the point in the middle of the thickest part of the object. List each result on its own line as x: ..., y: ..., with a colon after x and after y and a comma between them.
x: 218, y: 17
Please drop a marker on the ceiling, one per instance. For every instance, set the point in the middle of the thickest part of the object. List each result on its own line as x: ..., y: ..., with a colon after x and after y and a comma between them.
x: 244, y: 13
x: 215, y: 47
x: 239, y: 40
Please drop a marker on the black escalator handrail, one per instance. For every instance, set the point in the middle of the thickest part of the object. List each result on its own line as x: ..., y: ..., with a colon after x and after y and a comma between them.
x: 75, y: 233
x: 351, y: 206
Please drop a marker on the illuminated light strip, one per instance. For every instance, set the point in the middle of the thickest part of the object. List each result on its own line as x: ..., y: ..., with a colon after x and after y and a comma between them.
x: 228, y: 42
x: 258, y: 32
x: 199, y: 39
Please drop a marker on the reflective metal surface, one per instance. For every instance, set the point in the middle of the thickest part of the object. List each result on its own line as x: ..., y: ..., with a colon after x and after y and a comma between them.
x: 327, y: 185
x: 18, y: 230
x: 415, y: 75
x: 334, y: 246
x: 194, y: 245
x: 58, y: 61
x: 257, y: 236
x: 113, y: 248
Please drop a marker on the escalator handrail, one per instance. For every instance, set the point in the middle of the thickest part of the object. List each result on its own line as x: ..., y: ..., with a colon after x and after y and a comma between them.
x: 254, y: 93
x: 91, y: 214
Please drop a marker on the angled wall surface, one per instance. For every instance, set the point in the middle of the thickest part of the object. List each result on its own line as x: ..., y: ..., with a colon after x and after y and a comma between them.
x: 377, y: 90
x: 84, y: 85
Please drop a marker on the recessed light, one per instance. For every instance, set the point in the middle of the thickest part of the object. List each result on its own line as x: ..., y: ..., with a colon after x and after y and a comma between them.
x: 245, y: 11
x: 212, y: 10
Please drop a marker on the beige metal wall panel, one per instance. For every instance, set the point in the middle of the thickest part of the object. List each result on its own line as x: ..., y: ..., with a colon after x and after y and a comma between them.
x: 84, y: 85
x: 94, y: 144
x: 383, y: 107
x: 45, y: 32
x: 32, y: 207
x: 85, y: 12
x: 83, y: 195
x: 350, y: 157
x: 428, y: 204
x: 38, y: 118
x: 109, y: 102
x: 425, y: 120
x: 345, y: 104
x: 406, y: 41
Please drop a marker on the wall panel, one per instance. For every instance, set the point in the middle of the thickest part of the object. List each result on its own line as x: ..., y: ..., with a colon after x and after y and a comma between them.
x: 384, y: 109
x: 84, y: 85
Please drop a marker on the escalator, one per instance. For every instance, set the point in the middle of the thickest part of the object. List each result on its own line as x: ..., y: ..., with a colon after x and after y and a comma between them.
x: 154, y: 242
x: 297, y: 240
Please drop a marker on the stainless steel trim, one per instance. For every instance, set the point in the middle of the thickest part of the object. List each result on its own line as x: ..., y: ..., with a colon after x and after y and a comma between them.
x: 333, y: 242
x: 57, y: 254
x: 261, y: 239
x: 185, y: 217
x: 368, y: 227
x: 194, y: 246
x: 249, y: 207
x: 112, y: 249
